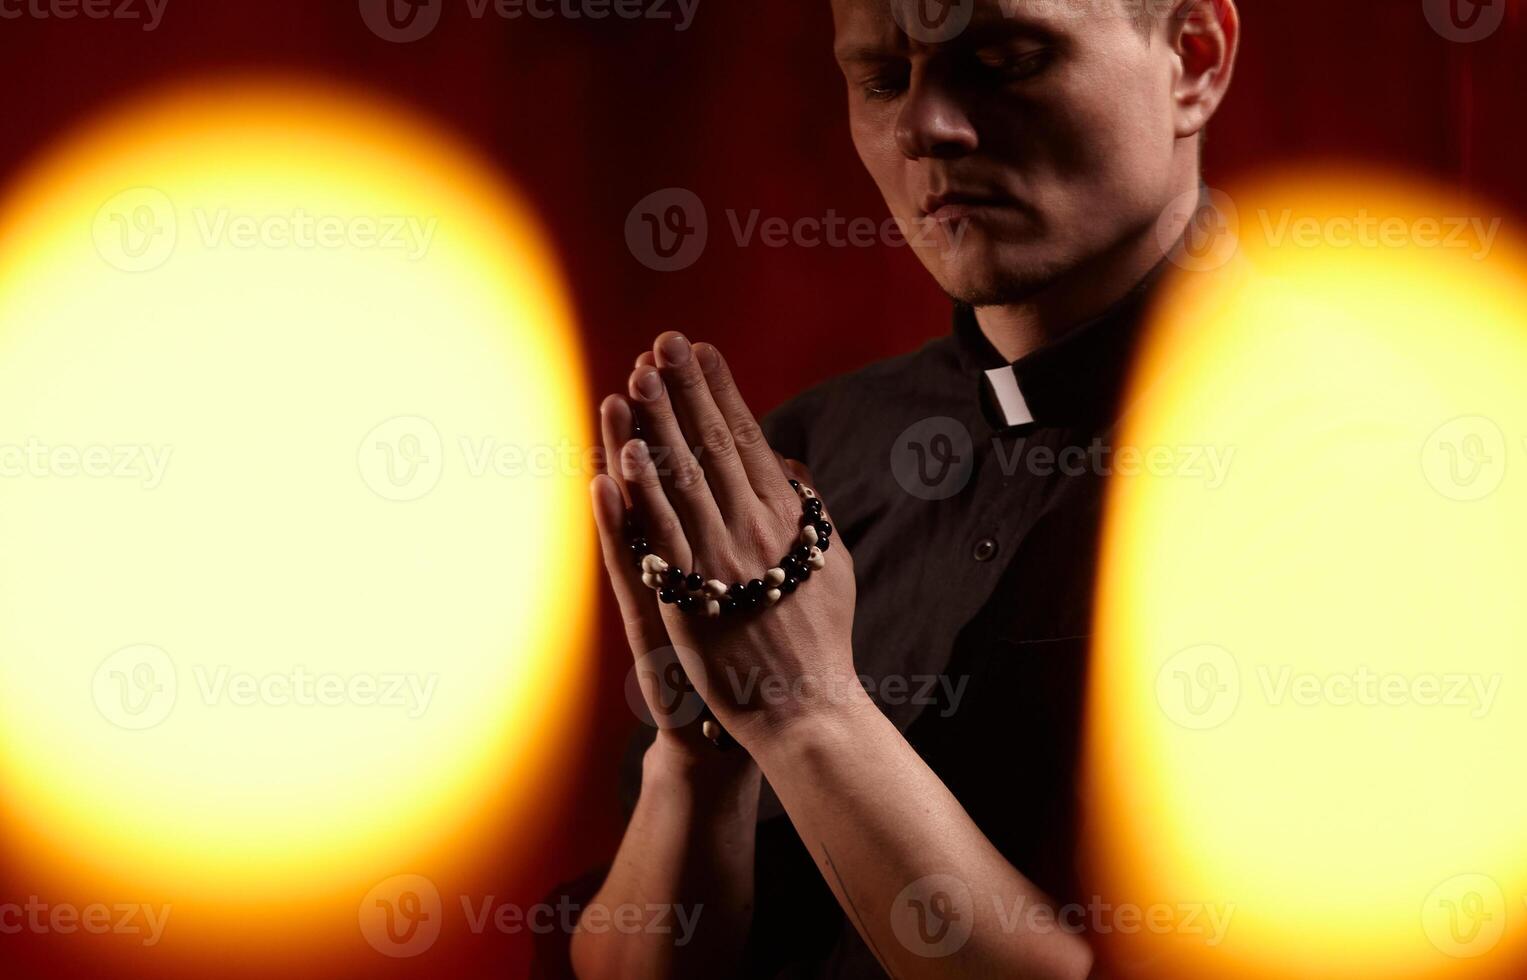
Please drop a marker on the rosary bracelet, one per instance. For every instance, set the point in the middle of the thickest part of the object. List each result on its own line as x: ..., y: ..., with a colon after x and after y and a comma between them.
x: 693, y: 593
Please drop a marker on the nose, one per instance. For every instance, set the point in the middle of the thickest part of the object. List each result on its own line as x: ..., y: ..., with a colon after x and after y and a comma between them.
x: 933, y: 122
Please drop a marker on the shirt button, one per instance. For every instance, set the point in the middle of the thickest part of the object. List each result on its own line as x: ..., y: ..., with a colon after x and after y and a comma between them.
x: 986, y: 550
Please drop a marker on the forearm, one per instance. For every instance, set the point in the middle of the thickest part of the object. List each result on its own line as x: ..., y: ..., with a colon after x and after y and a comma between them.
x: 877, y: 820
x: 690, y: 846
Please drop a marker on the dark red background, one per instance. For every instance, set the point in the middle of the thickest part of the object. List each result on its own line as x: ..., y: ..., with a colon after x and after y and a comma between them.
x: 747, y: 110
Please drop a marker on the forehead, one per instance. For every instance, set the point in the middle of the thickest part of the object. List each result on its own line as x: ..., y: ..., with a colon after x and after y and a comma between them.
x: 903, y: 25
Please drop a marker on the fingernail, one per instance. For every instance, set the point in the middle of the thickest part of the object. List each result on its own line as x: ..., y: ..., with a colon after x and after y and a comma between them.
x: 649, y: 384
x: 707, y: 357
x: 675, y: 350
x: 634, y: 459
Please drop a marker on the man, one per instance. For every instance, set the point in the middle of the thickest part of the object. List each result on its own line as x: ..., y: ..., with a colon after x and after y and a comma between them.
x: 903, y: 828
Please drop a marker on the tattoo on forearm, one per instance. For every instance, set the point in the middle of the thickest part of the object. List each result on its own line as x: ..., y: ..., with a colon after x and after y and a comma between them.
x: 863, y: 929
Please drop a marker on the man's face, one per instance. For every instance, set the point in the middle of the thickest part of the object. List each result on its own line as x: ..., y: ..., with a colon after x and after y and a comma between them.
x: 1028, y: 143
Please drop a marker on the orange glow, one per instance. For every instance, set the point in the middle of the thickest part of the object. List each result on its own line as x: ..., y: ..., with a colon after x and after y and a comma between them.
x: 295, y: 584
x: 1307, y: 709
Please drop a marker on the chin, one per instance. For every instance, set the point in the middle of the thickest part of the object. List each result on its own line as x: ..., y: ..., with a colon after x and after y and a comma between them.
x: 995, y: 274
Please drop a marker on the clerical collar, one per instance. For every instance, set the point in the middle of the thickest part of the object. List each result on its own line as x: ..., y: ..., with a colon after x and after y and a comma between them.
x: 1075, y: 380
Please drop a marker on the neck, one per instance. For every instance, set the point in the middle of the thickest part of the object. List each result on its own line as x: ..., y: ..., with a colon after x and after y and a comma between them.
x: 1018, y: 329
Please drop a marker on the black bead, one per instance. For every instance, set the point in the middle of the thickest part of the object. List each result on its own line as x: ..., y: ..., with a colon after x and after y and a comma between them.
x: 728, y: 605
x: 813, y: 506
x: 756, y: 588
x: 735, y: 590
x: 667, y: 596
x: 694, y: 583
x: 801, y: 554
x: 639, y: 547
x: 824, y: 529
x: 790, y: 566
x: 674, y: 577
x: 795, y: 485
x: 689, y: 603
x: 789, y: 584
x: 823, y: 544
x: 804, y: 573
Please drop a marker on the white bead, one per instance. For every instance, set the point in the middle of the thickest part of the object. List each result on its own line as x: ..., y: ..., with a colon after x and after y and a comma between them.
x: 651, y: 581
x: 807, y: 492
x: 710, y: 730
x: 774, y: 576
x: 654, y: 564
x: 773, y: 595
x: 808, y: 535
x: 712, y: 608
x: 815, y: 560
x: 715, y: 588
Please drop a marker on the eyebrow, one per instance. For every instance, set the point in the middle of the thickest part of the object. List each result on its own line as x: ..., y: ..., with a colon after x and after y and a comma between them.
x: 978, y: 34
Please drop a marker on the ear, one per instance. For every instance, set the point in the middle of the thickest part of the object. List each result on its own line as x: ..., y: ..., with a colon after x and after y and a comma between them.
x: 1204, y: 36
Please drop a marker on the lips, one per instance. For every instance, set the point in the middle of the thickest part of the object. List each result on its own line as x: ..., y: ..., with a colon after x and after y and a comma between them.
x: 957, y: 205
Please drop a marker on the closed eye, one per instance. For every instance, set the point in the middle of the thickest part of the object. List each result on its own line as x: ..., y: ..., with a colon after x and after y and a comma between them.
x: 885, y: 84
x: 1003, y: 65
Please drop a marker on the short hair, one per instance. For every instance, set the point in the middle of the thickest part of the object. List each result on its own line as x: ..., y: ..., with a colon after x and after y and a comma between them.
x: 1145, y: 13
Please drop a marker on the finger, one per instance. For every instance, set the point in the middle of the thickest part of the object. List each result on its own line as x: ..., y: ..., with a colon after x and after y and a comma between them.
x: 616, y: 428
x: 646, y: 357
x: 701, y: 420
x: 661, y: 524
x: 638, y: 604
x: 759, y: 462
x: 681, y: 474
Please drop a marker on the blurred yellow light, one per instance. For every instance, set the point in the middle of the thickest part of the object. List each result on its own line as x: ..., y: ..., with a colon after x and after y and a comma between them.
x: 1308, y: 708
x: 295, y: 562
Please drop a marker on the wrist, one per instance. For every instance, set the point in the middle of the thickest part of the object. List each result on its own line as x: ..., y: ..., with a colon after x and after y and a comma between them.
x: 685, y: 758
x: 830, y: 722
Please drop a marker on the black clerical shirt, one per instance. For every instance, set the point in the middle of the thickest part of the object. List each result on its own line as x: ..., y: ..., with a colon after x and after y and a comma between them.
x: 973, y: 518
